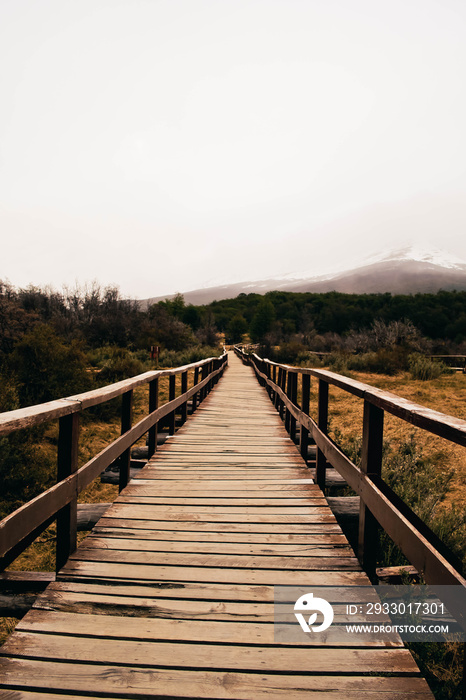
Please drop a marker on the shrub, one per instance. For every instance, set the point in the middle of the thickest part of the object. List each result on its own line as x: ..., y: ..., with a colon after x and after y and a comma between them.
x: 172, y: 358
x: 288, y: 353
x: 423, y: 368
x: 115, y: 364
x: 338, y: 363
x: 47, y: 368
x: 26, y: 468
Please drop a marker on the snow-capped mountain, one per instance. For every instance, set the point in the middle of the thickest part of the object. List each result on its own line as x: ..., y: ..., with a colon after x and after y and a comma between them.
x: 408, y: 270
x: 425, y: 254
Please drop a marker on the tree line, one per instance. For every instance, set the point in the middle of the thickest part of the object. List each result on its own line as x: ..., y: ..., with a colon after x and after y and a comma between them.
x: 49, y: 339
x: 440, y: 316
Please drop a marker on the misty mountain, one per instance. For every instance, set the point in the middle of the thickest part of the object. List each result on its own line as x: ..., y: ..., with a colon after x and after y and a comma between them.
x: 410, y: 270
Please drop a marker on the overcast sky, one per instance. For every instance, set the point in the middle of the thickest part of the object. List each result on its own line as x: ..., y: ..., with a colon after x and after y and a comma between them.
x: 164, y: 144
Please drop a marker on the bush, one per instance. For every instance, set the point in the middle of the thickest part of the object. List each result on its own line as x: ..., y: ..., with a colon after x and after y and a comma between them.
x: 288, y: 353
x: 338, y: 363
x: 171, y: 358
x: 115, y: 364
x: 47, y: 368
x: 423, y: 368
x: 26, y: 467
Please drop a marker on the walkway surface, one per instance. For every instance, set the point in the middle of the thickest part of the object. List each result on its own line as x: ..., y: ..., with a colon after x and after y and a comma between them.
x: 172, y: 594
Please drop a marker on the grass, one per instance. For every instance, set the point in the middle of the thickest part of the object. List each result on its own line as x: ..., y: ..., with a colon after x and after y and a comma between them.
x: 446, y: 394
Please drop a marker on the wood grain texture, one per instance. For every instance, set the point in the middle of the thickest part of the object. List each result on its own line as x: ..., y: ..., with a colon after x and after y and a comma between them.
x: 172, y: 593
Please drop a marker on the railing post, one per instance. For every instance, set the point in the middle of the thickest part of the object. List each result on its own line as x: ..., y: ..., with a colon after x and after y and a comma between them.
x: 274, y: 379
x: 267, y: 374
x: 126, y: 422
x: 203, y: 391
x: 294, y: 399
x: 371, y: 464
x: 283, y: 388
x: 305, y: 402
x: 67, y: 464
x: 171, y: 396
x: 184, y: 389
x: 278, y: 401
x: 322, y: 422
x: 211, y: 381
x: 196, y: 381
x: 288, y: 381
x: 153, y: 406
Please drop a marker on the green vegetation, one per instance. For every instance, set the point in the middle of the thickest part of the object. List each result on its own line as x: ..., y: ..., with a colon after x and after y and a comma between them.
x: 54, y: 345
x: 321, y: 320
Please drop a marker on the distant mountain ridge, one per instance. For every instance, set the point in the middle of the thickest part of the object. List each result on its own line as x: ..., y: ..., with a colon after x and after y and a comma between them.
x: 409, y: 270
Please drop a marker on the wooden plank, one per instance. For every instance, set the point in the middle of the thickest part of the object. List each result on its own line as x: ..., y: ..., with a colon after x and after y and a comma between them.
x: 162, y: 629
x: 213, y: 510
x: 85, y: 678
x: 208, y: 656
x: 284, y: 528
x: 226, y: 561
x: 159, y: 573
x: 256, y: 549
x: 162, y: 491
x: 102, y: 603
x: 212, y: 501
x: 324, y: 536
x: 172, y: 589
x: 219, y: 485
x: 134, y: 511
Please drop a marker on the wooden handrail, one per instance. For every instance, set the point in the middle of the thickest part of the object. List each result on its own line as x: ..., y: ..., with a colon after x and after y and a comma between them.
x: 22, y: 526
x: 419, y: 544
x: 33, y: 415
x: 441, y: 424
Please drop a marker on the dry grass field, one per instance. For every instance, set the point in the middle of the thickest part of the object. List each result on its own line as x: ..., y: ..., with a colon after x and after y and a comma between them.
x: 446, y: 394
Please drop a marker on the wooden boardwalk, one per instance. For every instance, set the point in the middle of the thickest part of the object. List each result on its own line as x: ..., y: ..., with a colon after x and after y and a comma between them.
x: 172, y: 593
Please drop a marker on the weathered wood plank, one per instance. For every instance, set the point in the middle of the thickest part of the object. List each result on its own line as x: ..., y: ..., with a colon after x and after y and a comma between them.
x: 148, y: 545
x: 246, y: 526
x: 163, y: 629
x: 159, y: 573
x: 142, y: 512
x: 323, y: 536
x: 209, y: 656
x: 187, y: 559
x: 85, y: 678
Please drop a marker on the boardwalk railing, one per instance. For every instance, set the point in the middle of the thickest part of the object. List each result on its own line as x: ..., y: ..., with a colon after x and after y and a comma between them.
x: 59, y: 502
x: 378, y: 502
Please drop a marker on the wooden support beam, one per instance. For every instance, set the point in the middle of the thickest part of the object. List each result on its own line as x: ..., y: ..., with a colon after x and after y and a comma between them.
x: 322, y: 422
x: 68, y: 437
x: 171, y: 396
x: 371, y: 464
x: 153, y: 406
x: 126, y: 423
x: 184, y: 388
x: 305, y: 402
